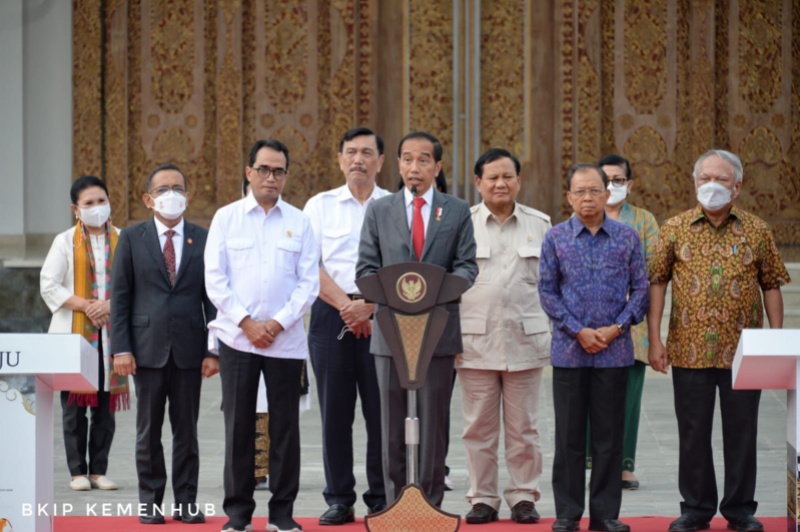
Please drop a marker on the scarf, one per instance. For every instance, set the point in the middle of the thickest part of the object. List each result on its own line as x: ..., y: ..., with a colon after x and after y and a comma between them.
x: 86, y: 287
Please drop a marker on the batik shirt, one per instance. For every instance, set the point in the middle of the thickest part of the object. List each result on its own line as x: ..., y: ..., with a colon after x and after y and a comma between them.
x: 644, y: 223
x: 717, y: 274
x: 592, y: 281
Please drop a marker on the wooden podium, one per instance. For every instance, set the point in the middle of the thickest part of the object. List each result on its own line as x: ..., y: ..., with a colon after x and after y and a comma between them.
x: 769, y: 359
x: 32, y: 367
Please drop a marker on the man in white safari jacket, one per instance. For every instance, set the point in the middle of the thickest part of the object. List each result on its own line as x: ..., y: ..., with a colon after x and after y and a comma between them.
x: 506, y: 337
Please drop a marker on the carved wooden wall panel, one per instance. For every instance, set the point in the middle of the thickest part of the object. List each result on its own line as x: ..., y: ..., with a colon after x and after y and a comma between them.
x: 690, y: 77
x: 195, y: 82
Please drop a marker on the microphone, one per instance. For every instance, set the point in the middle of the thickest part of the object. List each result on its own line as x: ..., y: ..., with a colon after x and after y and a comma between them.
x: 411, y: 228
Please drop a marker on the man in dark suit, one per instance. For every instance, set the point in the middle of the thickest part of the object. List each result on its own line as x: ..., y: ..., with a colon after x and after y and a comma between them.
x: 418, y: 223
x: 158, y: 321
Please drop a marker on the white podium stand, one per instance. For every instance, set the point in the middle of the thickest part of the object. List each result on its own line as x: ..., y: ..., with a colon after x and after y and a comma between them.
x: 768, y: 359
x: 44, y: 363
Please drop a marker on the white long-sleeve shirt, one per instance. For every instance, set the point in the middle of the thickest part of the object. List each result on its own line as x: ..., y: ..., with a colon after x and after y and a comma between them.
x: 336, y: 219
x: 264, y: 265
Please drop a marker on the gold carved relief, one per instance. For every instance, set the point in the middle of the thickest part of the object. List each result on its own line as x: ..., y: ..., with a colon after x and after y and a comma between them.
x: 645, y: 54
x: 430, y: 65
x: 286, y: 51
x: 662, y: 187
x: 759, y: 70
x: 87, y: 83
x: 173, y: 71
x: 503, y: 44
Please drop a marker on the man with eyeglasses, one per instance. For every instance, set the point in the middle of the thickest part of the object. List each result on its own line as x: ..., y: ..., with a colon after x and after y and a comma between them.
x: 620, y: 183
x: 159, y: 312
x: 593, y: 285
x: 262, y: 273
x: 721, y: 261
x: 341, y: 328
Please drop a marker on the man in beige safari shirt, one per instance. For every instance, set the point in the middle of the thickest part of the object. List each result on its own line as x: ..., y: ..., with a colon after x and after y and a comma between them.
x: 506, y: 338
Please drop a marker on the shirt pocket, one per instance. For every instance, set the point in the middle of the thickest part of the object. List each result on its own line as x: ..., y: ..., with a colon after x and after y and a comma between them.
x: 474, y: 309
x: 334, y: 241
x: 240, y: 253
x: 529, y: 254
x: 289, y: 253
x: 482, y: 255
x: 537, y: 331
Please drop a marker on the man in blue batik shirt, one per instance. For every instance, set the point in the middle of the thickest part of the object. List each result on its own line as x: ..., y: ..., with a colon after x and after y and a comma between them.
x: 593, y: 285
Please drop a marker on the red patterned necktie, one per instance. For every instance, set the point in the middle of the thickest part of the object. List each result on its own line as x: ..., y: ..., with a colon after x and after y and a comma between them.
x: 418, y: 237
x: 169, y: 256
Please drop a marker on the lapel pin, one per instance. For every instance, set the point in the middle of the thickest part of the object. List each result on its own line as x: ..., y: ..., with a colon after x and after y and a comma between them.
x: 189, y: 241
x: 438, y: 214
x: 289, y: 234
x: 530, y: 238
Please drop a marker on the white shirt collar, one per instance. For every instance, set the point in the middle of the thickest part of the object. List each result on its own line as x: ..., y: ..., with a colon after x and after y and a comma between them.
x: 250, y: 203
x: 428, y: 196
x: 161, y: 228
x: 345, y: 194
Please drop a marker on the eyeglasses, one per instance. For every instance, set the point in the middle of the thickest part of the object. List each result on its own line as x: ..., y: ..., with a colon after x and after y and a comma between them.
x: 593, y: 192
x: 264, y: 172
x: 158, y: 191
x: 619, y: 182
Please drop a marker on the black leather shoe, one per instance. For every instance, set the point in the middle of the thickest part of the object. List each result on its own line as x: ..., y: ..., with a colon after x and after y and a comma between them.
x: 608, y: 525
x: 525, y: 512
x: 189, y: 514
x: 338, y: 514
x: 747, y: 523
x: 481, y: 514
x: 377, y: 508
x: 688, y: 523
x: 155, y: 519
x: 565, y: 525
x: 630, y: 485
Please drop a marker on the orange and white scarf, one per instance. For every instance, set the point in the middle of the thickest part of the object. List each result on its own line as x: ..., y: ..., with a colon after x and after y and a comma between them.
x: 86, y: 287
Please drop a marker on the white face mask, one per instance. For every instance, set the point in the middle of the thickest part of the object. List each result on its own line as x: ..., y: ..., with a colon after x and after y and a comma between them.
x: 170, y: 205
x: 713, y: 196
x: 96, y: 216
x: 618, y: 194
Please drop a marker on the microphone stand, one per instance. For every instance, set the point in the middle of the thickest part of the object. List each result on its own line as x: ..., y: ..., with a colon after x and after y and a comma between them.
x: 412, y: 421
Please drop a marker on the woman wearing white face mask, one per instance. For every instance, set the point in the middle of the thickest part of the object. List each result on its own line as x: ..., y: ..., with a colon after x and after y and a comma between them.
x: 75, y: 284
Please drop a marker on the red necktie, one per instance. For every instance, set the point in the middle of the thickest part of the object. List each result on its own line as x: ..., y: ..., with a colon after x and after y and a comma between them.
x: 169, y: 256
x: 418, y: 238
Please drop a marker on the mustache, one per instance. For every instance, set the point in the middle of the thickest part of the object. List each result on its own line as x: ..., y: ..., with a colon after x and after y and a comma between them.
x: 359, y: 168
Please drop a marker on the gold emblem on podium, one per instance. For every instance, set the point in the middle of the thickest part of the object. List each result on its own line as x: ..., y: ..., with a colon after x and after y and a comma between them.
x: 411, y: 287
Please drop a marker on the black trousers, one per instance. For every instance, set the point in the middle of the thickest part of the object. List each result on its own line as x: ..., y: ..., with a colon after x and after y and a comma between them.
x: 100, y: 432
x: 96, y: 435
x: 598, y: 393
x: 239, y: 372
x: 154, y: 388
x: 695, y: 399
x: 345, y: 369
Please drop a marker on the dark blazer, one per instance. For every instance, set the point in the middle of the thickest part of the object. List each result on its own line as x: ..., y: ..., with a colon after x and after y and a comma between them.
x: 449, y: 243
x: 150, y: 318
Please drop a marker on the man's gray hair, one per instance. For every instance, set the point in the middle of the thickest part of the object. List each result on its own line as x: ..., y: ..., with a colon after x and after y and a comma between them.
x: 730, y: 158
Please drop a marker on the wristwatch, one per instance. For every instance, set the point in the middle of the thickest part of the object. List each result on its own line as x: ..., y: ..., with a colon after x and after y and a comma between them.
x: 620, y: 327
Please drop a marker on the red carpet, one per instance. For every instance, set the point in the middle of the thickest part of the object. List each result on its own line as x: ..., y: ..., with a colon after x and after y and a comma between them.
x: 131, y: 524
